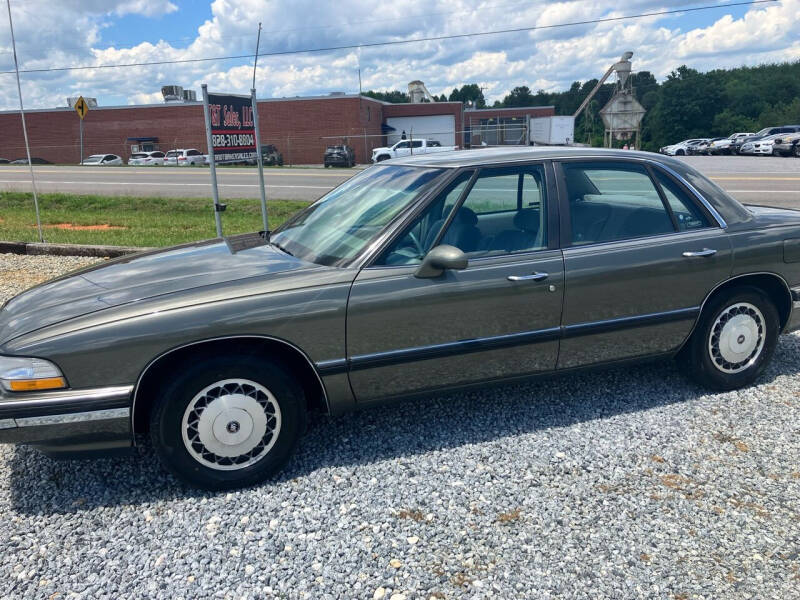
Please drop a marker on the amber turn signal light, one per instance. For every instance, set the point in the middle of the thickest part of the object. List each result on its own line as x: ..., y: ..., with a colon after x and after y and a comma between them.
x: 30, y: 385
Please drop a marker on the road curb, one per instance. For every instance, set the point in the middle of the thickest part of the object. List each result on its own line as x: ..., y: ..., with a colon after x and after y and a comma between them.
x: 36, y: 248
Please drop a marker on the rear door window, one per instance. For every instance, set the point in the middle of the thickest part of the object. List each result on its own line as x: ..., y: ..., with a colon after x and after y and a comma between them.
x: 613, y: 201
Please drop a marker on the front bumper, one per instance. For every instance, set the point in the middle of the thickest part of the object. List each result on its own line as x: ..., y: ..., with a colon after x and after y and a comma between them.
x: 68, y: 421
x: 337, y: 160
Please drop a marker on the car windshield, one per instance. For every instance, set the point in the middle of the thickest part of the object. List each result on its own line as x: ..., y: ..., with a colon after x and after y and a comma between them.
x: 94, y: 158
x: 338, y: 226
x: 173, y: 153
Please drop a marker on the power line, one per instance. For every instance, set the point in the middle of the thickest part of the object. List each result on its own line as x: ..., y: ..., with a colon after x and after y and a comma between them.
x: 396, y: 42
x: 340, y: 24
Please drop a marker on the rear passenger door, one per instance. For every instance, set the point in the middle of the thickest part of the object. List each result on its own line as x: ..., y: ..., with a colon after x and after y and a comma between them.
x: 641, y: 253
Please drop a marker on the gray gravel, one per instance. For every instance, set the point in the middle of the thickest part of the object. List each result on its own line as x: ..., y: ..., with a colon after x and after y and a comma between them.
x: 617, y: 484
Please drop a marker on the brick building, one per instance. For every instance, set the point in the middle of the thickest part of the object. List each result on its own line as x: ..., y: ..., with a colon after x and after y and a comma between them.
x: 301, y: 128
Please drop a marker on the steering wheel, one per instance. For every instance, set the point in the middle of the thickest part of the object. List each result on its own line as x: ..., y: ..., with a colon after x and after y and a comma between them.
x: 414, y: 239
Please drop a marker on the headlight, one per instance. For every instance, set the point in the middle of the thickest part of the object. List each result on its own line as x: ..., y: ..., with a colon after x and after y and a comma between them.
x: 29, y: 374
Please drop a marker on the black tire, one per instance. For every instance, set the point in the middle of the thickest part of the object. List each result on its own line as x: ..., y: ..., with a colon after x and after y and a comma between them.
x: 382, y: 158
x: 702, y: 359
x: 166, y: 420
x: 797, y: 150
x: 680, y: 153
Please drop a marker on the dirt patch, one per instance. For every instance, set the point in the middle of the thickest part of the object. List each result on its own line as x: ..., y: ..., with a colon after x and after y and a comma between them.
x: 73, y: 227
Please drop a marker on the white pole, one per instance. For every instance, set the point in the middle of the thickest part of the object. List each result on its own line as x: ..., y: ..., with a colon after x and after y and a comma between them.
x: 260, y: 160
x: 212, y: 163
x: 24, y: 128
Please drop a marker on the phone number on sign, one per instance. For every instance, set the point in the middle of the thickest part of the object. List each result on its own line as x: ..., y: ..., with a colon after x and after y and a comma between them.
x: 233, y: 140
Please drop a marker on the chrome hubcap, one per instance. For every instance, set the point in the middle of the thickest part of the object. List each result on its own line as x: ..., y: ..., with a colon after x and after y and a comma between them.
x: 231, y: 424
x: 737, y: 338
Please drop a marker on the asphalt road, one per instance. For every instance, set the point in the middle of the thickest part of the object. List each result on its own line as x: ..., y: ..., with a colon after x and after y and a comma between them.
x: 193, y: 182
x: 758, y: 180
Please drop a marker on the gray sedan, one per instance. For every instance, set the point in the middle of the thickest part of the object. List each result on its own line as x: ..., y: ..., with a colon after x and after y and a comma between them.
x: 420, y: 274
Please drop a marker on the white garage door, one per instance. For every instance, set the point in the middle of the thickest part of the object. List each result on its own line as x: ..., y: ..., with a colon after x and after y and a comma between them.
x: 435, y: 127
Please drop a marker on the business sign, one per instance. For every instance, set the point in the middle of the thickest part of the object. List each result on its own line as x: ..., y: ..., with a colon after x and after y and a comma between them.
x: 233, y: 134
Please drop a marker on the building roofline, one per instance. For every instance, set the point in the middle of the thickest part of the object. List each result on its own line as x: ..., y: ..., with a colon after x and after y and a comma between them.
x: 466, y: 110
x: 193, y: 103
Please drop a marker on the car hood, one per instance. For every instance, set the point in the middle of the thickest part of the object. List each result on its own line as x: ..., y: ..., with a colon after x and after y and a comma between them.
x: 139, y: 277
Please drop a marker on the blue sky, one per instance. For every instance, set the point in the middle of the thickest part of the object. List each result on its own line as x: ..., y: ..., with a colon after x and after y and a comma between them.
x: 90, y: 32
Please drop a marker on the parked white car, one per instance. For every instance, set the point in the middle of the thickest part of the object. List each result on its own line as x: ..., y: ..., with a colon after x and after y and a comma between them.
x: 763, y: 146
x: 408, y: 147
x: 147, y: 159
x: 682, y: 148
x: 184, y: 157
x: 102, y: 160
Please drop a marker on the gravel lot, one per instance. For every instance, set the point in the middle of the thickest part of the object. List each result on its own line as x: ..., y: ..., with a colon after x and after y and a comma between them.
x: 616, y: 484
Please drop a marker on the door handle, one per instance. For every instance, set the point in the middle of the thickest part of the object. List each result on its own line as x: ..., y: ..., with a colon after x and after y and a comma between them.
x: 703, y: 252
x: 531, y: 277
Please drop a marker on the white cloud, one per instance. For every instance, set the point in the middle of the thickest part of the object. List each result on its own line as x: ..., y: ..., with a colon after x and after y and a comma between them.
x: 70, y: 32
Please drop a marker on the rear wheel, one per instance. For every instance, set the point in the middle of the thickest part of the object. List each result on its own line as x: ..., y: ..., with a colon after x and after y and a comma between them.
x: 734, y: 340
x: 797, y: 150
x: 228, y: 422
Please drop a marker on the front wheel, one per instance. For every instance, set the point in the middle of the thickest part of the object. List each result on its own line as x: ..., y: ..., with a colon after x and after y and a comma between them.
x: 797, y: 150
x: 733, y: 341
x: 227, y: 422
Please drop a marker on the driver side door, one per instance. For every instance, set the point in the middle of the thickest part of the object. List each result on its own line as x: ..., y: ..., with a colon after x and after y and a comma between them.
x: 497, y: 319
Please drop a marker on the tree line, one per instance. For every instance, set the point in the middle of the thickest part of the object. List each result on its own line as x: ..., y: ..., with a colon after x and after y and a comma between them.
x: 688, y: 103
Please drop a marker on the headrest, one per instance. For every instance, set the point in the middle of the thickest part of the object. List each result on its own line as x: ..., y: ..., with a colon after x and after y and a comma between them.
x: 527, y: 220
x: 466, y: 216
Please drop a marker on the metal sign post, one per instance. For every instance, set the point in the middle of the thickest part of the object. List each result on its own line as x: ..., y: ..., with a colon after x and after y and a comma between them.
x: 260, y: 159
x: 24, y: 127
x: 212, y: 163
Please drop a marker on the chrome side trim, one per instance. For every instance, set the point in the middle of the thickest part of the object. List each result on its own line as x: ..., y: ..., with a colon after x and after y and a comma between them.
x: 595, y: 327
x: 407, y: 355
x: 7, y: 423
x: 718, y: 217
x: 61, y: 399
x: 92, y: 415
x: 218, y: 339
x: 403, y: 355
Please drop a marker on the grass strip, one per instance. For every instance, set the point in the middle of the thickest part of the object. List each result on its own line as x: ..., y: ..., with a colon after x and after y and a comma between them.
x: 131, y: 221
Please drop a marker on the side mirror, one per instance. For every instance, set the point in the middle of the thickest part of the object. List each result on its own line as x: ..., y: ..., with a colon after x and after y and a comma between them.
x: 441, y: 258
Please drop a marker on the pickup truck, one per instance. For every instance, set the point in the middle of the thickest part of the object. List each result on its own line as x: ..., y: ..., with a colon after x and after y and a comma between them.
x: 407, y: 147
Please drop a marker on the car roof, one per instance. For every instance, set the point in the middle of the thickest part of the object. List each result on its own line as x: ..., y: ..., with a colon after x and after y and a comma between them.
x: 489, y: 156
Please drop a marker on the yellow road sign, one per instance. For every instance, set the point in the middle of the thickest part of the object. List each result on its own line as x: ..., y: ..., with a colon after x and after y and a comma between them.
x: 81, y: 107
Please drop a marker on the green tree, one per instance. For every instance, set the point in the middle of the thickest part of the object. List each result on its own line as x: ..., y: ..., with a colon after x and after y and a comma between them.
x: 470, y: 93
x: 519, y: 96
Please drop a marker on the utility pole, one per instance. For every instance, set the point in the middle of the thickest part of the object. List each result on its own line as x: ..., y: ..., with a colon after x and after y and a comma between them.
x: 24, y: 127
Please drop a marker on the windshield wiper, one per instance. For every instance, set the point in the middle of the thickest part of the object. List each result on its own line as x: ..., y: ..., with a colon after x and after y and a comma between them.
x: 281, y: 248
